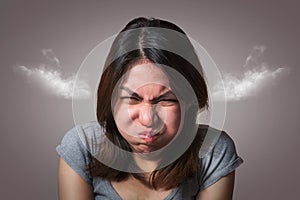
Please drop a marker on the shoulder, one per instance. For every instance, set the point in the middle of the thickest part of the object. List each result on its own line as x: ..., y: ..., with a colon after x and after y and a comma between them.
x: 84, y: 135
x: 214, y: 141
x: 218, y: 156
x: 77, y: 146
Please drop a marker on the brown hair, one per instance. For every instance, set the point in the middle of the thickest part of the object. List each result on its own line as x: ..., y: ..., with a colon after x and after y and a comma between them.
x: 117, y: 64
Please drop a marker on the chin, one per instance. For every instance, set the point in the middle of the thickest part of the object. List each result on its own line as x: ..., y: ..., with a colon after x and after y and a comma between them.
x: 142, y: 148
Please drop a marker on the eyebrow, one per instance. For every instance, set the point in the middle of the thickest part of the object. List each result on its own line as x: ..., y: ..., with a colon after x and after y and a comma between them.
x: 132, y: 93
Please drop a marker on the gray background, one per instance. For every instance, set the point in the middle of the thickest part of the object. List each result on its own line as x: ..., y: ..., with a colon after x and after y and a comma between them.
x: 264, y: 126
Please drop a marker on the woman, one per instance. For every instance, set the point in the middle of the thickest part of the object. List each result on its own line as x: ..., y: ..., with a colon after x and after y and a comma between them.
x: 146, y: 143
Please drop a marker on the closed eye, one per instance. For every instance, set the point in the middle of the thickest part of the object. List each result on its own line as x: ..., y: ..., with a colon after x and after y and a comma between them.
x: 132, y: 100
x: 167, y: 102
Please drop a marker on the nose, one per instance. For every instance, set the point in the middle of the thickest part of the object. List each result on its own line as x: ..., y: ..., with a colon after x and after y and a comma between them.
x: 147, y: 114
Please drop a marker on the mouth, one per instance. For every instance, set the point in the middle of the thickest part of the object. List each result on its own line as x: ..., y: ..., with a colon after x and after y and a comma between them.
x: 149, y: 137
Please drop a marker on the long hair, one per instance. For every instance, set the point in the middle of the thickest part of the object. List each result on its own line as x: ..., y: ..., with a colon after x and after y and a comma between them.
x: 138, y: 41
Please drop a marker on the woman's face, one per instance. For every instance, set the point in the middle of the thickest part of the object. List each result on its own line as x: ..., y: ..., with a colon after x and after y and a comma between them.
x: 146, y: 111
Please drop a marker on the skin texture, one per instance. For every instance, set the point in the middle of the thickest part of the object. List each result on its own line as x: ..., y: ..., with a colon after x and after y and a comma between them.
x: 72, y: 187
x: 144, y: 105
x: 221, y: 190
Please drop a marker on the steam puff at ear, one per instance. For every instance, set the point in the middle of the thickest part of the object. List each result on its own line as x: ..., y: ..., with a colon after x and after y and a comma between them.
x: 51, y: 81
x: 253, y: 82
x: 48, y: 78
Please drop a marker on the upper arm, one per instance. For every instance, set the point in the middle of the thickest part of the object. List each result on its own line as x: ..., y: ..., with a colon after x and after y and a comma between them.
x: 221, y: 190
x: 70, y: 185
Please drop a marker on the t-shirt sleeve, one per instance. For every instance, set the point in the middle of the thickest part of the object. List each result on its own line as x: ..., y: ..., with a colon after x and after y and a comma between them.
x: 74, y: 152
x: 219, y: 162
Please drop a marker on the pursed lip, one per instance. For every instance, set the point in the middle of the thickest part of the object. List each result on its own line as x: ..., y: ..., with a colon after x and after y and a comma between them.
x: 147, y: 134
x: 149, y: 137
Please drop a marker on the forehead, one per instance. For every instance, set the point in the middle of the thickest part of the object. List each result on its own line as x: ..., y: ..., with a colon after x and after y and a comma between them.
x: 144, y: 73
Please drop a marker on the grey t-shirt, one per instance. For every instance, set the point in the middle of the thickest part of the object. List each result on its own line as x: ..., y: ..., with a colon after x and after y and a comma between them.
x: 219, y: 161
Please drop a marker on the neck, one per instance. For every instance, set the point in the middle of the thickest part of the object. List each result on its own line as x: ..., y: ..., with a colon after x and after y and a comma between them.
x: 145, y: 163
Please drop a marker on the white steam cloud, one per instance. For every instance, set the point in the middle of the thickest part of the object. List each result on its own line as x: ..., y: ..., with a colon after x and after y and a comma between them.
x: 256, y: 78
x: 50, y: 78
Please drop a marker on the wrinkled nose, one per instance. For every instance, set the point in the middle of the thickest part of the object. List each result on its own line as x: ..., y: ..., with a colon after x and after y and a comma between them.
x: 147, y: 114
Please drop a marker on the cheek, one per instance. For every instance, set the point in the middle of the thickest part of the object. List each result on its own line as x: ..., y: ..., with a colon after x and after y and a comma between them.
x: 172, y: 118
x: 121, y: 117
x: 120, y: 112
